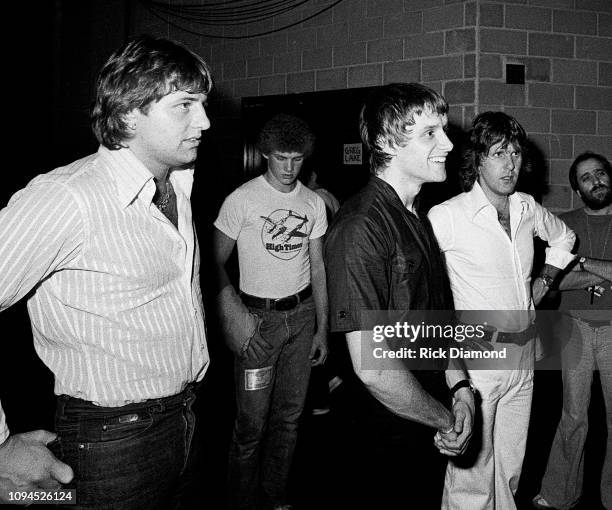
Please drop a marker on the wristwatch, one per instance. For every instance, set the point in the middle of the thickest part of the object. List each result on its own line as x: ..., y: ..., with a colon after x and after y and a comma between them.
x: 464, y: 383
x: 581, y: 262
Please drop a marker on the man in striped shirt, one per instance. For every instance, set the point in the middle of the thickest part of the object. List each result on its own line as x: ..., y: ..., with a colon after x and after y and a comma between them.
x: 108, y: 245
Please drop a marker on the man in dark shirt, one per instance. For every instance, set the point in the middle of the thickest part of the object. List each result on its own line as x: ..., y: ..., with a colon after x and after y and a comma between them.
x: 381, y: 255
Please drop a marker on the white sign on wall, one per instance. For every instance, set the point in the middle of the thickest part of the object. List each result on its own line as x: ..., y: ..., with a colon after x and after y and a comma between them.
x: 353, y: 153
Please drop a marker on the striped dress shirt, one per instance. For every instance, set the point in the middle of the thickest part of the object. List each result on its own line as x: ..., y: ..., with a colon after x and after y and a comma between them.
x: 117, y: 311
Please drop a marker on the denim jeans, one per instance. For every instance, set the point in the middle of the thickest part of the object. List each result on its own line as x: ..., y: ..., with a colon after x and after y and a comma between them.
x: 132, y: 457
x: 270, y: 394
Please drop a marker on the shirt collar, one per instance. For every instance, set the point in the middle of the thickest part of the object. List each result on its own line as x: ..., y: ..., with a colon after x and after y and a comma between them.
x: 132, y: 176
x: 478, y: 201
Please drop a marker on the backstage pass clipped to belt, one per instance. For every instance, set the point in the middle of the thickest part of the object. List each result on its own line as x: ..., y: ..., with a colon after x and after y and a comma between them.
x: 520, y: 338
x: 280, y: 304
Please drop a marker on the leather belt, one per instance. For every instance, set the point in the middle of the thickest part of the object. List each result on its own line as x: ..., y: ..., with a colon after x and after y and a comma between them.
x: 519, y: 338
x: 280, y: 304
x: 593, y: 323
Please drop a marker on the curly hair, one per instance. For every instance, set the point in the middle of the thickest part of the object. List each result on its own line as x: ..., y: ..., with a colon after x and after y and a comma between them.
x: 138, y: 74
x: 573, y: 178
x: 286, y: 133
x: 388, y: 111
x: 489, y: 128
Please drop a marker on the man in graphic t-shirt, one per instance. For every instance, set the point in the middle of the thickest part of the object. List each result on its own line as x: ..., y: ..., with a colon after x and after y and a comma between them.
x: 277, y: 327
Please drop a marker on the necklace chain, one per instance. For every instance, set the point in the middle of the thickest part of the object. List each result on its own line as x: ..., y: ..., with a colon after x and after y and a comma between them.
x: 162, y: 202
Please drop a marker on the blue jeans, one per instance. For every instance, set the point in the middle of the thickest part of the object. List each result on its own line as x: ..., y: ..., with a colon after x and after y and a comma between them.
x: 137, y: 456
x: 270, y: 394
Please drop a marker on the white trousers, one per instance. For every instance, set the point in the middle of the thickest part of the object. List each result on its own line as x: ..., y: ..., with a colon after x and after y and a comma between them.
x: 491, y: 481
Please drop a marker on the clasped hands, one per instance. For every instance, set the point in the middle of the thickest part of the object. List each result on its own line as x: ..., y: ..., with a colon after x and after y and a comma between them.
x: 454, y: 441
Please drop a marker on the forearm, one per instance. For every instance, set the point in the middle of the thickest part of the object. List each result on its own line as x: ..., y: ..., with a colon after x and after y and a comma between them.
x: 578, y: 280
x: 398, y: 390
x: 319, y: 294
x: 598, y: 267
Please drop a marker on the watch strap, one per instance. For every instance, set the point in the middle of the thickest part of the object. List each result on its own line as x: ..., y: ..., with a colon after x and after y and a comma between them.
x: 464, y: 383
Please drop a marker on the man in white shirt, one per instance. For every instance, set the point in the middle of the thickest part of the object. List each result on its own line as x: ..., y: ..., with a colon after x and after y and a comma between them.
x: 108, y: 245
x: 486, y: 235
x: 277, y: 328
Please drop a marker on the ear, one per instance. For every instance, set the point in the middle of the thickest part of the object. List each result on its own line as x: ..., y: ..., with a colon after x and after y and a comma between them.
x: 266, y: 156
x: 130, y: 120
x: 578, y: 193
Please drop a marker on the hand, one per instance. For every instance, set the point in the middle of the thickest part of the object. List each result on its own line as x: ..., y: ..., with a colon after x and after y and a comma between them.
x: 318, y: 351
x: 239, y: 325
x: 455, y: 441
x: 26, y: 464
x: 476, y: 344
x: 538, y: 290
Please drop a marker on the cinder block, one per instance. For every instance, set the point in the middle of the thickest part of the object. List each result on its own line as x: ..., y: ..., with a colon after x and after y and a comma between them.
x: 385, y: 50
x: 349, y: 11
x: 501, y: 93
x: 460, y: 91
x: 246, y: 88
x: 424, y: 45
x: 600, y: 144
x: 441, y: 18
x: 575, y: 22
x: 316, y: 59
x: 460, y: 41
x: 574, y: 122
x: 490, y: 66
x: 503, y: 41
x: 271, y: 85
x: 528, y: 18
x: 536, y: 69
x: 274, y: 44
x: 404, y: 71
x: 574, y: 72
x: 604, y: 24
x: 469, y: 65
x: 558, y: 171
x: 409, y: 23
x: 534, y: 120
x: 420, y: 5
x: 554, y: 146
x: 368, y: 29
x: 331, y: 79
x: 594, y: 5
x: 558, y: 4
x: 491, y: 15
x: 552, y: 96
x: 442, y: 68
x: 558, y: 197
x: 605, y: 74
x: 260, y: 66
x: 288, y: 63
x: 365, y: 76
x: 332, y: 35
x: 596, y: 98
x: 247, y: 48
x: 234, y: 70
x: 300, y: 82
x: 594, y: 48
x: 302, y: 39
x: 320, y: 20
x: 551, y: 45
x: 604, y: 123
x: 350, y: 54
x: 469, y: 14
x: 455, y: 115
x: 384, y: 7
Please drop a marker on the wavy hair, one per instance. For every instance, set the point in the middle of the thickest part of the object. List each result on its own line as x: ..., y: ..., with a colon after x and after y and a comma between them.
x: 138, y: 74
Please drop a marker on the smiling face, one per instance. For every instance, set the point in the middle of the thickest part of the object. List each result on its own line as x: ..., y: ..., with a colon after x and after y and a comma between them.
x: 499, y: 170
x: 167, y: 133
x: 593, y: 184
x: 283, y: 169
x: 423, y: 157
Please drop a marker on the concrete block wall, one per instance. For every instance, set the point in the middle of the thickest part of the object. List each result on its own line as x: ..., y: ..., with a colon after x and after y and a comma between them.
x: 458, y: 47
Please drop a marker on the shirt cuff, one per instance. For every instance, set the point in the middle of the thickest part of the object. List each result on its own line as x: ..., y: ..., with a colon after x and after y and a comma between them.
x: 558, y: 257
x: 4, y: 431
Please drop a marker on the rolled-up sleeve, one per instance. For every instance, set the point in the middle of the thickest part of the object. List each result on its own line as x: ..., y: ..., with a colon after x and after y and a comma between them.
x: 557, y: 234
x: 4, y: 431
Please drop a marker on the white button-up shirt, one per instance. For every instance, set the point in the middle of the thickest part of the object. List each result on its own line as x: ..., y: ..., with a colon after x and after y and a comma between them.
x: 117, y: 310
x: 487, y: 269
